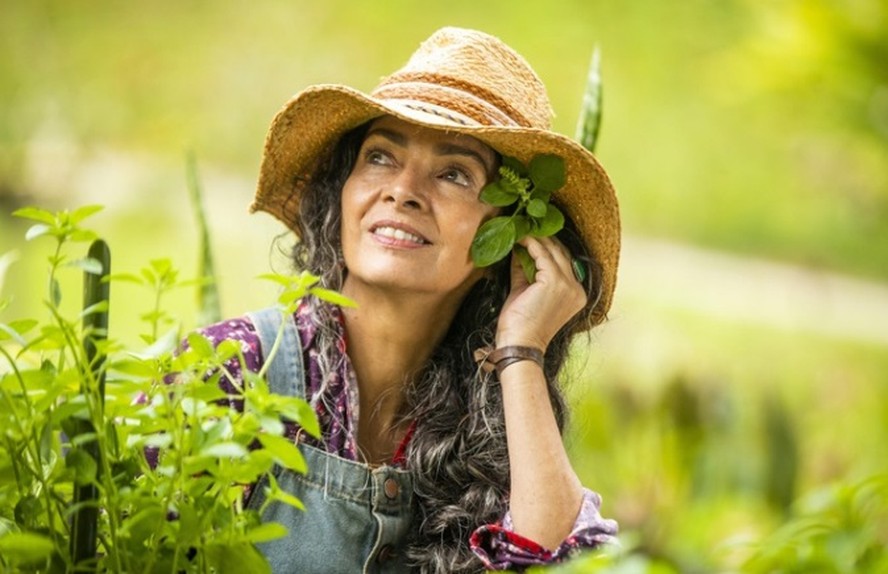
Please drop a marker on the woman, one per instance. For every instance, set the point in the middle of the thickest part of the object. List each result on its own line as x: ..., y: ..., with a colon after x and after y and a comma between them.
x: 428, y: 462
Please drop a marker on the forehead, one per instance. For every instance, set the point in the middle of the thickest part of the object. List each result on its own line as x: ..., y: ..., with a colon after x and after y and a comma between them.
x: 414, y: 132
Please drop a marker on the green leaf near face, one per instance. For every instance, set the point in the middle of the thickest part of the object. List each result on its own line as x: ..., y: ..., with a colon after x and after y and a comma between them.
x: 499, y: 195
x: 550, y: 224
x: 515, y: 165
x: 522, y: 226
x: 526, y: 261
x: 536, y: 208
x: 493, y: 241
x: 547, y: 172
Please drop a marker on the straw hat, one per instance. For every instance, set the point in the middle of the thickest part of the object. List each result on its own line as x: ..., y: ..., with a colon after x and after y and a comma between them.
x: 462, y: 81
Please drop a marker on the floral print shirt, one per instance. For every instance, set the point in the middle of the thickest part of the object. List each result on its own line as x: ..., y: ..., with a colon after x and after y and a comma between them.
x: 335, y: 401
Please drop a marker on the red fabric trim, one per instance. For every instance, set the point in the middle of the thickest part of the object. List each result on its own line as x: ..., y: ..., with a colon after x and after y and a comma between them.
x: 400, y: 456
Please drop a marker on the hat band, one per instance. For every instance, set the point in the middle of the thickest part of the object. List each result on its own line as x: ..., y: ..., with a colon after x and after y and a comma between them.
x: 456, y: 100
x: 446, y: 114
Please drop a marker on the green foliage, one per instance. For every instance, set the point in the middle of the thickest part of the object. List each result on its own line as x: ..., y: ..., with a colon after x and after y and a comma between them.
x: 528, y: 189
x: 589, y: 122
x: 208, y: 302
x: 841, y: 528
x: 62, y: 430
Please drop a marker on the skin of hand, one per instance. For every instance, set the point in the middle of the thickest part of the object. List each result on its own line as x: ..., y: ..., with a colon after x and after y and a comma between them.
x: 534, y: 312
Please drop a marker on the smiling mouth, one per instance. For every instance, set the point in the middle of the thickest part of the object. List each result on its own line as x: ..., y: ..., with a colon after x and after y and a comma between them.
x: 399, y: 235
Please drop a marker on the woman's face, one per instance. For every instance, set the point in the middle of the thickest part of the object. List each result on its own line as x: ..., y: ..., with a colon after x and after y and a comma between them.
x: 411, y: 207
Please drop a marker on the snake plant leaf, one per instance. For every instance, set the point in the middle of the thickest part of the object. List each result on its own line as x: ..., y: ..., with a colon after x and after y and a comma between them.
x: 208, y: 299
x: 589, y: 121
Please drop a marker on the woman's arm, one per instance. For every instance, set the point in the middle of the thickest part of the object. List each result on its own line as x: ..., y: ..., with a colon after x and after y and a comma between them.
x: 546, y: 493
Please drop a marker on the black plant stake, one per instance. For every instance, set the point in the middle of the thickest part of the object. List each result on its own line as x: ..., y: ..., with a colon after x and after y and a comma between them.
x: 84, y: 526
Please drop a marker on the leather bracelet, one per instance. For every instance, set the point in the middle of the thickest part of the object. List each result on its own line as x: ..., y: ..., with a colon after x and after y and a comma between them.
x: 499, y: 359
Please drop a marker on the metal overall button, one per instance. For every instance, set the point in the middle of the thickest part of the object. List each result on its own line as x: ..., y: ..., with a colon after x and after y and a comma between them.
x: 391, y: 488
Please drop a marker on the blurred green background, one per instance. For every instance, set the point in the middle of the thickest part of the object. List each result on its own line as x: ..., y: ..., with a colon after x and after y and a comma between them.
x: 744, y: 366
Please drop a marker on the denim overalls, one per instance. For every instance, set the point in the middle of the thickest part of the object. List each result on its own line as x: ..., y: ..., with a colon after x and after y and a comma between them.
x: 356, y: 518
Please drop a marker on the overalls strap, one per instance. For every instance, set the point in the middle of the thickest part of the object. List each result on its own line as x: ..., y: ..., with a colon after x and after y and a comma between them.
x: 285, y: 375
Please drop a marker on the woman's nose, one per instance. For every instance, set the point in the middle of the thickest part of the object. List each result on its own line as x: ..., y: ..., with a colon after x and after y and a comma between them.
x: 405, y: 189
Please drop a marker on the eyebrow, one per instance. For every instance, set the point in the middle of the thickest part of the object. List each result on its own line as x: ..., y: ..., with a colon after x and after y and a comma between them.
x: 441, y: 149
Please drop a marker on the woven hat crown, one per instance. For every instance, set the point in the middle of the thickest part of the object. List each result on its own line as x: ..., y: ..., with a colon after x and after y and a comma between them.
x: 473, y: 75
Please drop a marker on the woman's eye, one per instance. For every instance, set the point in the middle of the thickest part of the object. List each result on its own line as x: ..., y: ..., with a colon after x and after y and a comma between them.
x: 377, y: 157
x: 459, y: 177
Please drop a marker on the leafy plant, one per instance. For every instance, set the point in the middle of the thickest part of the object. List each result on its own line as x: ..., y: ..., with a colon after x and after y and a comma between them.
x: 529, y: 190
x: 841, y: 528
x: 169, y: 457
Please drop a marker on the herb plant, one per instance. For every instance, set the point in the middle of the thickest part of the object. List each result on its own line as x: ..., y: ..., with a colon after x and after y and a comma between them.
x: 529, y: 190
x: 63, y: 430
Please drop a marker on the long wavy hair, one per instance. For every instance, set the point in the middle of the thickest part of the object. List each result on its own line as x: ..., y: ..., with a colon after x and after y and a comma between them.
x: 457, y: 455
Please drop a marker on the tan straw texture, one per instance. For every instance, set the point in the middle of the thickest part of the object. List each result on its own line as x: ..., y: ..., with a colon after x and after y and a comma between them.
x: 461, y: 81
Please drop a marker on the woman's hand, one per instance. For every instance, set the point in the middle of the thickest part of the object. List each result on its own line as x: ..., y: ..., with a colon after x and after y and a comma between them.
x: 534, y: 312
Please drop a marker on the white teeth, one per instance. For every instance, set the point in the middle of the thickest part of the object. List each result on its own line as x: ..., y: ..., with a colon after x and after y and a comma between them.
x: 398, y: 234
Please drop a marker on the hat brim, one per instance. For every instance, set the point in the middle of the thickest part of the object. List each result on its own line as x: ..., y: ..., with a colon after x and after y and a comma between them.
x: 312, y: 122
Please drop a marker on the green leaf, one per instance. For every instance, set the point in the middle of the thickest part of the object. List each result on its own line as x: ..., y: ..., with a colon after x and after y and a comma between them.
x: 36, y: 214
x: 87, y: 264
x: 522, y: 226
x: 227, y: 557
x: 225, y: 450
x: 274, y: 492
x: 82, y: 235
x: 547, y: 172
x: 162, y: 346
x: 37, y: 230
x: 15, y: 330
x: 200, y: 345
x: 128, y: 277
x: 208, y: 393
x: 536, y: 208
x: 549, y: 225
x: 285, y: 452
x: 83, y: 465
x: 265, y: 532
x: 299, y: 411
x: 515, y: 165
x: 498, y: 195
x: 334, y: 297
x: 82, y: 213
x: 253, y: 466
x: 55, y: 292
x: 25, y: 547
x: 493, y: 241
x: 527, y: 263
x: 226, y: 349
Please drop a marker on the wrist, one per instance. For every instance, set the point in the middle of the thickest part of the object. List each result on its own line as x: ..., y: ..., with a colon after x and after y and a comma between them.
x: 504, y: 356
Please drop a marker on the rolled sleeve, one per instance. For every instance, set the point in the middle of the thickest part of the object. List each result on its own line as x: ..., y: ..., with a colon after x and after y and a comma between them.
x: 500, y: 548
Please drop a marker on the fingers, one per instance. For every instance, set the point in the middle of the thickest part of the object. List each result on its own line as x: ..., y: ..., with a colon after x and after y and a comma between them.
x: 535, y: 312
x: 550, y: 255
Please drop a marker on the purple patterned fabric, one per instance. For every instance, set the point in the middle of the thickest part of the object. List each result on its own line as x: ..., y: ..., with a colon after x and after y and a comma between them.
x: 335, y: 400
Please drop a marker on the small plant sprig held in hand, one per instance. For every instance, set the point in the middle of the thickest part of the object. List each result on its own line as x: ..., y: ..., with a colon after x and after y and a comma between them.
x: 530, y: 188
